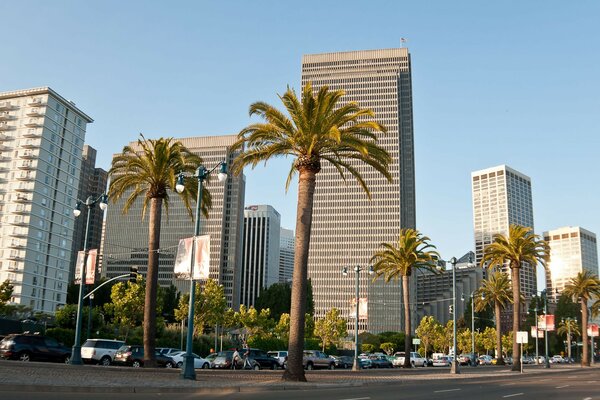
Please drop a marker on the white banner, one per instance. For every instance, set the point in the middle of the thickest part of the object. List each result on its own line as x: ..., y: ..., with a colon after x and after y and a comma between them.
x: 183, y: 261
x: 362, y: 308
x: 90, y: 271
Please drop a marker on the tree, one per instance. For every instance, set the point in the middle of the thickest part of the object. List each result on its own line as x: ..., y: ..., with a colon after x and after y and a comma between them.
x: 495, y: 291
x: 127, y: 307
x: 170, y: 296
x: 6, y: 291
x: 463, y: 341
x: 254, y: 322
x: 331, y: 328
x: 278, y: 299
x: 507, y: 340
x: 209, y: 306
x: 412, y: 252
x: 282, y: 329
x: 443, y: 342
x: 568, y: 328
x: 148, y: 170
x: 388, y: 348
x: 584, y: 286
x: 320, y: 129
x: 520, y: 247
x: 367, y: 348
x: 489, y: 338
x: 428, y: 331
x: 396, y: 338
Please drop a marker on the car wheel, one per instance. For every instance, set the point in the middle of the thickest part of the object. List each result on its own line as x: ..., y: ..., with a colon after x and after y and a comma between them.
x: 332, y: 366
x: 205, y: 366
x: 105, y: 361
x: 67, y: 359
x: 274, y: 366
x: 309, y: 366
x: 179, y: 364
x: 412, y: 364
x: 136, y: 364
x: 169, y: 364
x: 256, y: 367
x: 24, y: 356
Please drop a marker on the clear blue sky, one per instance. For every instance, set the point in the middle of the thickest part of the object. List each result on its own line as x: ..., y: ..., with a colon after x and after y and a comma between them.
x: 505, y: 82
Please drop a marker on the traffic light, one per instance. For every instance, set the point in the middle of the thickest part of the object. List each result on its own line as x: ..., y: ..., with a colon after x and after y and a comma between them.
x: 133, y: 274
x: 451, y: 309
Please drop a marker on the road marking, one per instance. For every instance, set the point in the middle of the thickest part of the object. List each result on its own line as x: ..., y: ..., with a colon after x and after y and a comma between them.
x: 591, y: 381
x: 513, y: 395
x: 563, y: 386
x: 588, y: 398
x: 446, y: 390
x: 359, y: 398
x: 508, y: 384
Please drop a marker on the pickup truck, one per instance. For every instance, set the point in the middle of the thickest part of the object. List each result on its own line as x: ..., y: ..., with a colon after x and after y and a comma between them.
x: 314, y: 359
x: 415, y: 359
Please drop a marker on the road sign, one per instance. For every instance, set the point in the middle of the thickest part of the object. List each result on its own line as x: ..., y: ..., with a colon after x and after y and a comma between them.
x: 522, y: 337
x: 416, y: 341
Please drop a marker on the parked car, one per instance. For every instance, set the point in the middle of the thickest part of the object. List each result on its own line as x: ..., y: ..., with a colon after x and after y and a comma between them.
x: 540, y: 360
x: 442, y: 361
x: 167, y: 351
x: 199, y: 362
x: 365, y: 363
x: 415, y: 359
x: 223, y: 359
x: 467, y: 359
x: 557, y: 359
x: 527, y: 360
x: 343, y: 361
x: 485, y: 359
x: 28, y: 347
x: 211, y: 359
x: 134, y: 356
x: 100, y: 351
x: 314, y: 359
x: 259, y: 359
x: 380, y: 362
x: 280, y: 355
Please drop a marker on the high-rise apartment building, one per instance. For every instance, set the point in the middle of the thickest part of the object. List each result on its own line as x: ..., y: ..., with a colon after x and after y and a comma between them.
x: 502, y: 197
x: 92, y: 182
x: 347, y: 228
x: 260, y: 254
x: 287, y: 242
x: 125, y: 240
x: 41, y: 142
x: 572, y: 250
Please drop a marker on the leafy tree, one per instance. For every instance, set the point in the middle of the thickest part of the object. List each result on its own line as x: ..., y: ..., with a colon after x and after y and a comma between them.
x: 507, y: 340
x: 209, y: 306
x: 483, y: 318
x: 428, y: 332
x: 367, y: 348
x: 320, y: 129
x: 65, y: 316
x: 6, y: 291
x: 520, y: 247
x: 388, y: 348
x: 489, y: 339
x: 254, y: 322
x: 282, y: 329
x: 412, y: 252
x: 278, y: 299
x: 127, y: 307
x: 147, y: 171
x: 369, y: 338
x: 568, y: 328
x: 170, y: 301
x: 463, y: 341
x: 584, y: 286
x: 444, y: 341
x: 495, y: 291
x: 566, y: 308
x: 396, y: 338
x: 331, y: 328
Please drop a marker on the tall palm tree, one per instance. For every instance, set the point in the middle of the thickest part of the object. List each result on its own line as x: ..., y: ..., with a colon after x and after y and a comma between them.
x: 583, y: 286
x: 148, y: 170
x: 412, y: 252
x: 521, y: 246
x: 495, y: 291
x: 319, y: 128
x: 568, y: 327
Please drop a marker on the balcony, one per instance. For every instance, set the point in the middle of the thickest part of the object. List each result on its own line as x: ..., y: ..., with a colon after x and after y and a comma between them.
x: 35, y: 102
x: 5, y: 106
x: 19, y: 233
x: 24, y: 188
x: 27, y: 165
x: 4, y: 147
x: 4, y: 168
x: 33, y: 123
x: 29, y: 155
x: 22, y: 198
x: 4, y: 158
x: 21, y: 210
x: 20, y: 222
x: 4, y: 137
x: 35, y: 112
x: 30, y: 144
x: 17, y: 244
x: 4, y: 126
x: 16, y: 257
x: 32, y: 133
x: 5, y: 116
x: 26, y: 177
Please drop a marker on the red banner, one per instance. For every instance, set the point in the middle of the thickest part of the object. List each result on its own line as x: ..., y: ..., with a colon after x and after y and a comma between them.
x: 546, y: 322
x: 593, y: 330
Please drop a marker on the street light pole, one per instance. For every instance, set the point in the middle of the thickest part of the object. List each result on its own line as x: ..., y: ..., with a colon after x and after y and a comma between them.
x: 90, y: 202
x: 537, y: 356
x: 473, y: 363
x: 357, y: 269
x: 545, y: 296
x: 455, y: 368
x: 188, y: 371
x: 89, y: 325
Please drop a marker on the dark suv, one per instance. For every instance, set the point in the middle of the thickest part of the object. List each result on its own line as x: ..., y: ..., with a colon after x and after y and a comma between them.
x: 27, y: 347
x: 134, y: 356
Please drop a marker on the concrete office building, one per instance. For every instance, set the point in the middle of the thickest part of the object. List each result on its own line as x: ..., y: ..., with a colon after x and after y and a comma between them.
x: 347, y: 227
x: 126, y: 235
x: 287, y: 241
x: 41, y: 142
x: 92, y: 182
x: 260, y: 254
x: 572, y: 250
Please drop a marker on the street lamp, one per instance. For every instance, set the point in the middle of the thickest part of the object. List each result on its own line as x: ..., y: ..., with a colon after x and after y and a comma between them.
x: 90, y: 202
x: 462, y: 297
x: 188, y: 371
x: 357, y: 269
x: 89, y: 325
x: 454, y: 369
x: 537, y: 358
x: 545, y: 299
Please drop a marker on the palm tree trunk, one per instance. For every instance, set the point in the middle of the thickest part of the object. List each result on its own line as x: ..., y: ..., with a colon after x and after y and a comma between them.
x: 152, y: 282
x: 306, y: 191
x: 497, y: 312
x: 516, y: 287
x: 585, y: 359
x: 406, y: 300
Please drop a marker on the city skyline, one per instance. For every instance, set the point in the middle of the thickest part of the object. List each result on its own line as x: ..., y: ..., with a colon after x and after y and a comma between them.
x: 488, y: 88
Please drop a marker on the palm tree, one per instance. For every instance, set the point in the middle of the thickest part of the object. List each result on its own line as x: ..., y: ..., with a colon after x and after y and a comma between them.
x: 412, y: 252
x: 583, y: 286
x: 568, y: 327
x: 318, y: 129
x: 521, y: 246
x: 495, y: 291
x: 148, y: 170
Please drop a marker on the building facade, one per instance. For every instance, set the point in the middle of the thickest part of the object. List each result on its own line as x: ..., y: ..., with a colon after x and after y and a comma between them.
x: 41, y: 143
x: 347, y: 227
x: 260, y: 254
x: 287, y: 241
x: 572, y: 250
x: 125, y: 241
x: 92, y: 182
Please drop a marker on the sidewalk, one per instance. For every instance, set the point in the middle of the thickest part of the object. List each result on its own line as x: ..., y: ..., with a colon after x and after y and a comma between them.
x: 19, y: 376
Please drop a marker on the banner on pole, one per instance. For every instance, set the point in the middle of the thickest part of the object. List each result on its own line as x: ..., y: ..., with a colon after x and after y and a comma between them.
x: 90, y: 271
x: 183, y: 261
x: 362, y: 308
x: 593, y: 330
x: 536, y: 333
x: 546, y: 322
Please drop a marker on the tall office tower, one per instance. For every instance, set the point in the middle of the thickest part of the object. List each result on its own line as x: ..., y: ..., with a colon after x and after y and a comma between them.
x: 572, y: 250
x: 126, y: 235
x: 287, y: 242
x: 41, y: 140
x: 260, y: 254
x: 92, y: 182
x: 348, y: 228
x: 502, y: 197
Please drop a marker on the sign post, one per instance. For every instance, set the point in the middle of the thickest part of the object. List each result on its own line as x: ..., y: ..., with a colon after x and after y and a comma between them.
x: 522, y: 338
x: 416, y: 342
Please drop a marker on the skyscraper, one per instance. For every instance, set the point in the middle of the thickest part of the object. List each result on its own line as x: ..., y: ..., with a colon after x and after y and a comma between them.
x: 41, y: 141
x: 502, y: 197
x: 347, y: 228
x: 92, y: 182
x: 126, y: 235
x: 260, y: 254
x: 572, y: 250
x: 287, y: 241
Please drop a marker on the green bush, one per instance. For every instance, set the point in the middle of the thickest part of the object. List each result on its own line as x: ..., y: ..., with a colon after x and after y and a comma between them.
x: 312, y: 344
x: 266, y: 343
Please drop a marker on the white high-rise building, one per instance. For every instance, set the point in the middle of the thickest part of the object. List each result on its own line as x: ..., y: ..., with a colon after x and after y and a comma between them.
x: 287, y: 242
x: 260, y: 254
x: 347, y: 227
x: 572, y: 250
x: 502, y: 197
x: 41, y: 142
